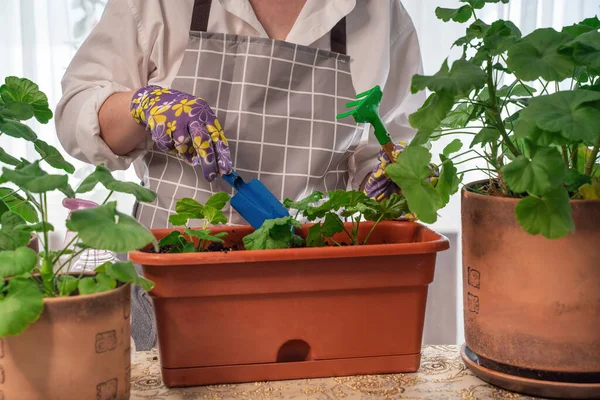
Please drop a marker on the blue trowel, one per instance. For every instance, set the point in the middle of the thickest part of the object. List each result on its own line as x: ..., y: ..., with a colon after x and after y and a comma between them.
x: 253, y: 201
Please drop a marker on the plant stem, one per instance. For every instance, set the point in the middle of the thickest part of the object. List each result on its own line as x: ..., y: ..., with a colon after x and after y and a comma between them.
x: 565, y: 154
x: 478, y: 169
x: 62, y: 252
x: 495, y: 112
x: 107, y: 197
x: 467, y: 160
x: 574, y: 156
x: 589, y: 164
x: 372, y: 229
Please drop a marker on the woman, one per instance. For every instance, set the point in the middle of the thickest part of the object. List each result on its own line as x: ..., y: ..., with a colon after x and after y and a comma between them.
x: 187, y: 90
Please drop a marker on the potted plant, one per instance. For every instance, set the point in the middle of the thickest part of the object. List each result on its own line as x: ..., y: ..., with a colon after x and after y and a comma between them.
x: 529, y: 109
x: 342, y: 295
x: 62, y: 335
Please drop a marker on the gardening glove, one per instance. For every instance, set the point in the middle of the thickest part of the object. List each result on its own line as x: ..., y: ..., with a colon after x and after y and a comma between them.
x: 379, y: 186
x: 184, y: 125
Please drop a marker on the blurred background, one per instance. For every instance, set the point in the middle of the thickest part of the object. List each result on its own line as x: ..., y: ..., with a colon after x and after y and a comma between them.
x: 38, y: 38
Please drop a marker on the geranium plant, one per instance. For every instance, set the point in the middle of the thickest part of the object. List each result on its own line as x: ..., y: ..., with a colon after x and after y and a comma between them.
x: 26, y: 278
x: 529, y: 109
x: 330, y: 217
x: 188, y: 209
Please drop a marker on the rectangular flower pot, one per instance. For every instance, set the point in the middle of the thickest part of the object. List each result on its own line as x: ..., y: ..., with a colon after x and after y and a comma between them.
x: 243, y: 316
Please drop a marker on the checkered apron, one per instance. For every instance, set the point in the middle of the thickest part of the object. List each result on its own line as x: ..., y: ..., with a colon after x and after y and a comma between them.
x: 277, y: 102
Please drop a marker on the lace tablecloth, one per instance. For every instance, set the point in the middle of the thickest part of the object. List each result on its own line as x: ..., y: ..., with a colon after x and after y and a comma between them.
x: 442, y: 376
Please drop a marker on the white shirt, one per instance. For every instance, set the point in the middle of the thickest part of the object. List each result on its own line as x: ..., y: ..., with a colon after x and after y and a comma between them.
x: 142, y: 42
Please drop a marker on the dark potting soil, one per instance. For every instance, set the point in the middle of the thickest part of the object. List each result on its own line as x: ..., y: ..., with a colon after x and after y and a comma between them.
x: 213, y: 247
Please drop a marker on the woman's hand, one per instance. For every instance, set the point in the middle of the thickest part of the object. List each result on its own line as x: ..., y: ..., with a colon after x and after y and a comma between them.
x: 184, y: 125
x: 379, y: 186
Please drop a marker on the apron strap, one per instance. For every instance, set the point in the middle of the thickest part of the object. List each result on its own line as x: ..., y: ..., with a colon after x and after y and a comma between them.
x: 338, y: 37
x: 201, y: 13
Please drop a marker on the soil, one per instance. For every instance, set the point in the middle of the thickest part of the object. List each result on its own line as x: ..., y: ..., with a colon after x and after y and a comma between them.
x: 213, y: 247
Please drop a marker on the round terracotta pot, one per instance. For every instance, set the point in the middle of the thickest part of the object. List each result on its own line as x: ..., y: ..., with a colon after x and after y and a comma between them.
x: 531, y: 305
x: 78, y: 349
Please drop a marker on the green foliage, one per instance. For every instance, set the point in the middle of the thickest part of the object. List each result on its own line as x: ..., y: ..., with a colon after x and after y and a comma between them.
x: 26, y: 277
x: 21, y: 303
x: 211, y: 213
x: 18, y: 262
x: 538, y: 145
x: 103, y: 176
x: 537, y: 175
x: 549, y: 215
x: 105, y: 228
x: 273, y: 234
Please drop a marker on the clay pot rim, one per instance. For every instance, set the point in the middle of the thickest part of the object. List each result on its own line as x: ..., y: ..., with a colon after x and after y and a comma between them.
x: 437, y: 243
x: 511, y: 200
x: 85, y: 297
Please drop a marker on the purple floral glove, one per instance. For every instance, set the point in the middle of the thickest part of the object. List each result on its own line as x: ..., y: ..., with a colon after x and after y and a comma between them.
x: 184, y: 125
x: 380, y: 187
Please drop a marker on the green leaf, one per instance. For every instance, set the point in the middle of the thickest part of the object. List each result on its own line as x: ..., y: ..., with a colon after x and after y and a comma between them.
x: 525, y: 129
x: 17, y: 262
x: 448, y: 182
x: 104, y: 228
x: 479, y: 4
x: 21, y: 306
x: 567, y: 113
x: 549, y: 215
x: 203, y: 234
x: 23, y: 90
x: 575, y: 180
x: 315, y: 236
x: 429, y: 117
x: 462, y: 79
x: 125, y: 272
x: 391, y: 208
x: 67, y: 284
x: 332, y: 225
x: 410, y: 173
x: 103, y: 176
x: 17, y: 130
x: 587, y: 25
x: 303, y: 204
x: 273, y: 234
x: 453, y: 147
x: 214, y: 216
x: 181, y: 219
x: 536, y: 56
x: 188, y: 247
x: 518, y: 90
x: 217, y: 200
x: 19, y: 205
x: 189, y: 206
x: 87, y: 286
x: 52, y: 156
x: 461, y: 15
x: 7, y: 158
x: 500, y: 37
x: 171, y: 239
x: 104, y: 282
x: 459, y: 117
x: 34, y: 179
x: 10, y: 237
x: 485, y: 136
x: 538, y: 175
x: 585, y: 49
x: 37, y: 227
x: 17, y: 110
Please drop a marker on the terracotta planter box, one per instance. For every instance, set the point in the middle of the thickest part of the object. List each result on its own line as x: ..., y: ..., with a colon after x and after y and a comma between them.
x: 245, y: 316
x: 532, y: 305
x: 78, y: 349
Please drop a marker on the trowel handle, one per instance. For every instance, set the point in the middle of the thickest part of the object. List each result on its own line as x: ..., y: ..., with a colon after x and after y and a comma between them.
x: 233, y: 179
x: 388, y: 148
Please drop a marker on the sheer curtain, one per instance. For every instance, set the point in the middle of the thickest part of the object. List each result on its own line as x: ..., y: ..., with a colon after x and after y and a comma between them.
x: 39, y: 38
